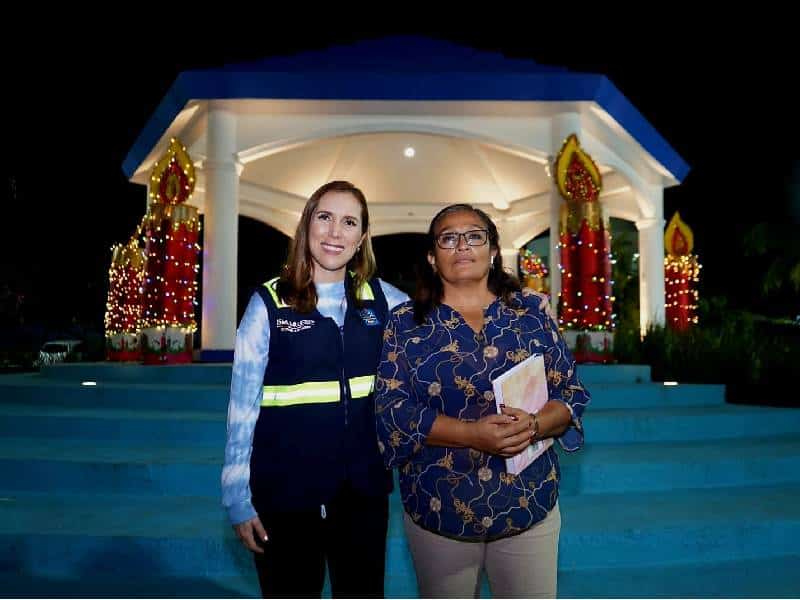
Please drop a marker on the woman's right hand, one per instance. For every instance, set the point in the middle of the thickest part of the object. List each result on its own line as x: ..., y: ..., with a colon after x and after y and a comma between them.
x: 500, y: 434
x: 247, y: 532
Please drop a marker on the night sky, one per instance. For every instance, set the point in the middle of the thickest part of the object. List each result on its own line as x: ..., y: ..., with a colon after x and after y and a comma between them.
x: 76, y: 96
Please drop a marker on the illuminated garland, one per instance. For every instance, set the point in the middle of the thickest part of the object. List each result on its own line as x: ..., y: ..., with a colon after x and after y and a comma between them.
x: 531, y: 264
x: 585, y: 301
x: 681, y: 275
x: 533, y: 270
x: 123, y: 307
x: 171, y: 233
x: 152, y: 291
x: 170, y: 281
x: 124, y: 303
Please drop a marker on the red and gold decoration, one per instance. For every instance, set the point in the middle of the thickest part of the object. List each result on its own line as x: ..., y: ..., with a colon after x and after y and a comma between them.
x: 124, y: 305
x: 172, y: 180
x: 152, y: 291
x: 533, y: 270
x: 585, y: 246
x: 681, y: 275
x: 171, y: 230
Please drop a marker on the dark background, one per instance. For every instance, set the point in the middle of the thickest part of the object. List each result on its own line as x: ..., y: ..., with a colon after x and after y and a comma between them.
x: 77, y: 91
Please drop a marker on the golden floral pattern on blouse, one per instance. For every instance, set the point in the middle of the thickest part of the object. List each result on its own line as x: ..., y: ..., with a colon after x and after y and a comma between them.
x: 517, y: 355
x: 507, y: 478
x: 490, y: 352
x: 485, y: 474
x: 446, y: 461
x: 451, y: 323
x: 392, y: 356
x: 466, y: 385
x: 465, y: 511
x: 392, y: 384
x: 451, y: 347
x: 435, y: 388
x: 523, y: 502
x: 436, y: 504
x: 554, y: 377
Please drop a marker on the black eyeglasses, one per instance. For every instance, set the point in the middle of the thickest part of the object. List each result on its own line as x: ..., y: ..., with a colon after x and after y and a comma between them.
x: 450, y: 239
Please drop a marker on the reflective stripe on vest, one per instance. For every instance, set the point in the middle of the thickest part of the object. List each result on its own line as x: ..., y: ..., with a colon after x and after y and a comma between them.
x: 365, y: 293
x: 361, y: 387
x: 314, y: 392
x: 272, y: 288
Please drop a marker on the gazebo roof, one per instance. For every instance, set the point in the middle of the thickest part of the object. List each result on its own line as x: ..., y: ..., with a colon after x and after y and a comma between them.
x: 401, y: 68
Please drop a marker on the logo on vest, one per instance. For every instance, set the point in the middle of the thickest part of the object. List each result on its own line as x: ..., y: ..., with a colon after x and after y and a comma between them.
x: 369, y: 317
x: 294, y: 326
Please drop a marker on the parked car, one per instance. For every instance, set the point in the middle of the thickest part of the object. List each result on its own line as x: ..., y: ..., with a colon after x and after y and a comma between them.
x: 56, y: 351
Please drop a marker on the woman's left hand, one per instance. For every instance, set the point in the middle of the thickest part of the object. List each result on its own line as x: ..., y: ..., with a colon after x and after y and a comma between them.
x: 553, y: 419
x: 522, y: 416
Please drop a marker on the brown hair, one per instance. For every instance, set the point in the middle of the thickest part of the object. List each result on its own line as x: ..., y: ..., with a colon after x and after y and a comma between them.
x: 296, y: 284
x: 429, y: 284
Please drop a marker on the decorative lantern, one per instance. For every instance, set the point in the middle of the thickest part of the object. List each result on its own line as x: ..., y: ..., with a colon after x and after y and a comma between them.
x: 681, y: 275
x: 585, y: 245
x: 170, y: 284
x: 124, y: 306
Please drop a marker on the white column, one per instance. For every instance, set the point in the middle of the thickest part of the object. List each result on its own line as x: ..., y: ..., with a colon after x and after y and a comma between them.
x: 555, y: 251
x: 651, y: 272
x: 220, y: 235
x: 561, y: 127
x: 510, y: 259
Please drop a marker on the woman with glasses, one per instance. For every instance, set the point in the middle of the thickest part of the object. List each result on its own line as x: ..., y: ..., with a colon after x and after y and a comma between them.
x: 438, y: 423
x: 303, y: 480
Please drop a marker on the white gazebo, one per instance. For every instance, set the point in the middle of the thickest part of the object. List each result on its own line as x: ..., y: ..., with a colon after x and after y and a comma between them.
x: 417, y: 124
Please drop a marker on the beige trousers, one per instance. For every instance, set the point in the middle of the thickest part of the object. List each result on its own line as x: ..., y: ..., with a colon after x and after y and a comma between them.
x: 521, y: 566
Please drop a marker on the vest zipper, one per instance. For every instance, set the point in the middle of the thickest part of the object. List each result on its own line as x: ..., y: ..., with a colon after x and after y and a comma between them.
x: 345, y: 384
x: 346, y: 397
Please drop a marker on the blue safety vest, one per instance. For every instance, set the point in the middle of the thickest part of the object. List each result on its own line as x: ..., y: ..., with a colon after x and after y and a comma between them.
x: 316, y: 428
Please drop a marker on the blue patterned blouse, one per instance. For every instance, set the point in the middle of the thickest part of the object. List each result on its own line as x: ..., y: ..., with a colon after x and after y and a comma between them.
x: 444, y: 367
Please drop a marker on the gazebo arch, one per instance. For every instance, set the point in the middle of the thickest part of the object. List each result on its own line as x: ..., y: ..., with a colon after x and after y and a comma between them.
x: 484, y: 129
